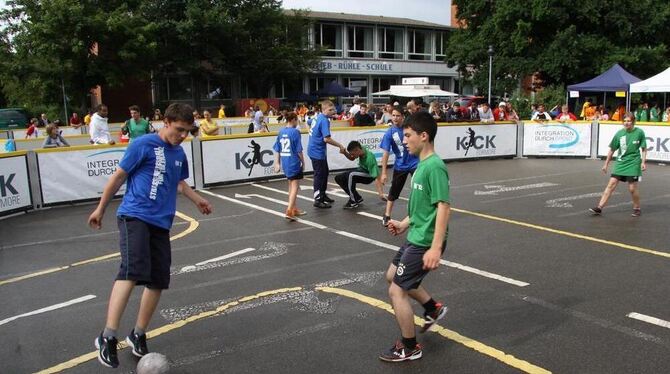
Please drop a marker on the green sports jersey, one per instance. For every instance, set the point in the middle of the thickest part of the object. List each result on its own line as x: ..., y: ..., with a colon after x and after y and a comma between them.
x: 628, y: 158
x: 368, y: 163
x: 137, y: 129
x: 430, y: 185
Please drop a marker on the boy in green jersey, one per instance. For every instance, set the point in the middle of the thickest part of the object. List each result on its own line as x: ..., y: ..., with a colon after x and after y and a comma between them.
x: 630, y: 163
x: 367, y: 172
x: 426, y: 227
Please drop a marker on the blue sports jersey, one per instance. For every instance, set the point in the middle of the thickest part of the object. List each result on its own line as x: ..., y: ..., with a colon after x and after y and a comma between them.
x: 154, y: 169
x: 319, y: 130
x: 289, y: 146
x: 392, y: 142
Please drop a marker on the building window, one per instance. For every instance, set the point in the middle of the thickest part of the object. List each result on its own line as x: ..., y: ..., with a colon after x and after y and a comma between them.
x: 215, y: 89
x: 440, y: 45
x: 359, y: 84
x: 328, y: 37
x: 360, y: 41
x: 444, y: 83
x: 420, y: 45
x: 317, y: 83
x: 176, y: 88
x: 382, y: 83
x: 391, y: 43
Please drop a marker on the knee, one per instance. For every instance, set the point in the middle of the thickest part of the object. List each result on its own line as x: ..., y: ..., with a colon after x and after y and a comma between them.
x: 395, y: 292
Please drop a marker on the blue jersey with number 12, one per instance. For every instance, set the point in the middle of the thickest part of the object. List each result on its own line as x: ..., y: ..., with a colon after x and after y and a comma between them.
x: 289, y: 145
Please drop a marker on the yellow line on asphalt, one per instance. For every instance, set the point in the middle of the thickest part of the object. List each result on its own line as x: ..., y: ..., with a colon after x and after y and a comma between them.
x: 499, y: 355
x: 169, y: 327
x: 547, y: 229
x: 193, y: 225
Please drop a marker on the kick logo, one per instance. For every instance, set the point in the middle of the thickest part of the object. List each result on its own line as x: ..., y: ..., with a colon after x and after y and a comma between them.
x: 6, y: 185
x: 256, y: 156
x: 476, y: 142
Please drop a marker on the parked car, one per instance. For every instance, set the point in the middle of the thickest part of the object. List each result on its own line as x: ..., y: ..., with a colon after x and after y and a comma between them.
x: 13, y: 118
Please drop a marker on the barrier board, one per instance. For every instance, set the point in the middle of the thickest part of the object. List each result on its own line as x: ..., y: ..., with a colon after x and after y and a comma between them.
x: 557, y: 139
x: 14, y: 183
x: 459, y: 141
x: 658, y: 140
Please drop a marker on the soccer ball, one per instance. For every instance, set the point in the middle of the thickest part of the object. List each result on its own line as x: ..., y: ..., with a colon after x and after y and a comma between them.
x: 153, y: 363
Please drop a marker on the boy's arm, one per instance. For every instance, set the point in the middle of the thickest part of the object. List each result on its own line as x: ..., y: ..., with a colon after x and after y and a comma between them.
x: 380, y: 187
x: 277, y: 164
x: 331, y: 141
x: 203, y: 205
x: 347, y: 155
x: 609, y: 158
x: 111, y: 188
x: 385, y: 161
x: 644, y: 159
x: 431, y: 259
x: 302, y: 161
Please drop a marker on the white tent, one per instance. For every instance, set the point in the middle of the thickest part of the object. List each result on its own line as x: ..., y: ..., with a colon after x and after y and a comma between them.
x: 414, y: 90
x: 658, y: 83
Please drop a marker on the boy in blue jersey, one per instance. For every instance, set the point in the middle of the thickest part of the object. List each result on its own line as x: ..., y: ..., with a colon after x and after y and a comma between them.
x: 405, y: 163
x: 319, y: 136
x: 154, y: 167
x: 288, y: 156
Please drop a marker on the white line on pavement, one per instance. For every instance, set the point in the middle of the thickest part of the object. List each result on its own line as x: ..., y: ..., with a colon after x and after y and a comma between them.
x: 49, y: 308
x: 370, y: 215
x: 229, y: 255
x: 649, y: 319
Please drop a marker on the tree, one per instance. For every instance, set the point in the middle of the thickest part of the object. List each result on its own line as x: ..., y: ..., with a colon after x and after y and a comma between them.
x: 565, y: 41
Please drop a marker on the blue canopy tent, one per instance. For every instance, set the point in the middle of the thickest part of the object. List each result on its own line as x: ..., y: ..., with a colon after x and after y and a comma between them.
x: 334, y: 89
x: 613, y: 80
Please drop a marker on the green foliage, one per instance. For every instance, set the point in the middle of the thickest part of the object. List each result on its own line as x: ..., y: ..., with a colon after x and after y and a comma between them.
x: 566, y: 41
x: 550, y: 96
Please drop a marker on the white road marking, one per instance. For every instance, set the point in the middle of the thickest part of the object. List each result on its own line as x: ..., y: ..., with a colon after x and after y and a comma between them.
x: 513, y: 180
x: 370, y: 215
x: 49, y: 308
x: 649, y: 319
x: 248, y: 196
x: 496, y: 189
x: 564, y: 202
x: 331, y: 191
x: 541, y: 193
x: 466, y: 268
x: 229, y: 255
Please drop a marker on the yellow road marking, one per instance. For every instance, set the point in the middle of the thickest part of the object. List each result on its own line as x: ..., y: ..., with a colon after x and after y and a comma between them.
x: 546, y: 229
x: 499, y: 355
x: 193, y: 225
x: 167, y: 328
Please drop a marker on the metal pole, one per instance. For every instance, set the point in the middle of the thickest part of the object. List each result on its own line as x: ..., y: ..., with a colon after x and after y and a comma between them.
x: 490, y: 51
x: 67, y: 121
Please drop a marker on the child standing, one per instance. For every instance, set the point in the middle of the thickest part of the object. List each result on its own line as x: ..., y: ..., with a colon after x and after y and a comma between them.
x: 289, y: 157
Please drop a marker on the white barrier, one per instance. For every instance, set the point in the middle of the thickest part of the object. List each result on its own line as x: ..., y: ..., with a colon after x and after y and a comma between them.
x: 14, y: 183
x: 461, y: 141
x: 658, y: 139
x: 557, y: 139
x: 42, y: 132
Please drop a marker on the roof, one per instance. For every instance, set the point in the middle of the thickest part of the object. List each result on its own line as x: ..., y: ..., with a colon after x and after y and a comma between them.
x: 614, y: 79
x: 360, y: 18
x: 658, y: 83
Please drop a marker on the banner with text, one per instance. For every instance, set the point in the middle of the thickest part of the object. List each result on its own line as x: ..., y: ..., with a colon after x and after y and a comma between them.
x: 658, y: 140
x: 475, y: 141
x: 556, y: 139
x: 14, y: 185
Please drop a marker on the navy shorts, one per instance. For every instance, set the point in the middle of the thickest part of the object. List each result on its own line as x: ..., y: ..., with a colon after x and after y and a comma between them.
x: 409, y: 263
x: 145, y: 253
x: 626, y: 178
x: 295, y: 177
x: 397, y: 183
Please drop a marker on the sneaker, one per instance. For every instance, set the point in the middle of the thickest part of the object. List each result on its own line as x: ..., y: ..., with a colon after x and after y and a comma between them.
x: 321, y: 204
x: 399, y: 353
x: 386, y: 220
x: 596, y: 211
x: 359, y: 201
x: 138, y: 343
x: 327, y: 199
x: 430, y: 318
x: 351, y: 205
x: 107, y: 351
x: 636, y: 212
x: 298, y: 212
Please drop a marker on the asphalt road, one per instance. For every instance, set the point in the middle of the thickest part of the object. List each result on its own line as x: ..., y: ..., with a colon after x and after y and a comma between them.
x: 533, y: 282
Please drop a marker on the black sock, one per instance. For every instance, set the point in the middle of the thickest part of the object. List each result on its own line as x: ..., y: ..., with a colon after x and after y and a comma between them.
x: 430, y: 306
x: 409, y: 343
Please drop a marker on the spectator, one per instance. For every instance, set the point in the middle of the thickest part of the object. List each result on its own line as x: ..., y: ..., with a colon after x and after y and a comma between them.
x: 555, y: 111
x: 207, y: 126
x: 604, y: 113
x: 666, y: 115
x: 413, y: 106
x: 387, y: 116
x: 249, y: 113
x: 222, y: 111
x: 541, y: 115
x: 587, y: 104
x: 590, y: 112
x: 654, y: 113
x: 196, y: 116
x: 43, y: 121
x: 471, y: 113
x: 500, y: 113
x: 565, y: 115
x: 454, y: 114
x: 436, y: 111
x: 87, y: 118
x: 259, y: 121
x: 32, y: 129
x: 136, y: 126
x: 511, y: 113
x: 158, y: 116
x: 54, y: 139
x: 362, y: 118
x: 75, y: 120
x: 99, y: 129
x: 355, y: 108
x: 642, y: 113
x: 533, y: 110
x: 485, y: 114
x: 272, y: 111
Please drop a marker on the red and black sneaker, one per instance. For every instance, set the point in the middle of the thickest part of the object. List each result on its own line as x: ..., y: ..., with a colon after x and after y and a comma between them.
x: 596, y: 211
x: 430, y: 318
x: 636, y: 212
x: 399, y: 353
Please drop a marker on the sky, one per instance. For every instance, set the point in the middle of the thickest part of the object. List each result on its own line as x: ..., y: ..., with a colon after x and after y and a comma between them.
x: 435, y: 11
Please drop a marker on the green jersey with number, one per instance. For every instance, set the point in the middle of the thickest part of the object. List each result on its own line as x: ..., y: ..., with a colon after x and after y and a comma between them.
x: 430, y: 185
x: 627, y: 146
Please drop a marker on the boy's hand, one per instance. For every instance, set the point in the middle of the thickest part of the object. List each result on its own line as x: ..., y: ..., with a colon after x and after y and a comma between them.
x: 396, y: 227
x: 204, y: 206
x: 276, y: 168
x: 383, y: 197
x: 384, y: 178
x: 95, y: 219
x: 431, y: 259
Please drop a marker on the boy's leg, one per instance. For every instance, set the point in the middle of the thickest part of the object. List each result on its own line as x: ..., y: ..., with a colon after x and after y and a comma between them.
x: 318, y: 175
x: 324, y: 180
x: 635, y: 194
x: 397, y: 184
x: 356, y: 177
x: 150, y: 299
x: 342, y: 180
x: 419, y: 294
x: 404, y: 314
x: 292, y: 193
x: 118, y: 300
x: 611, y: 186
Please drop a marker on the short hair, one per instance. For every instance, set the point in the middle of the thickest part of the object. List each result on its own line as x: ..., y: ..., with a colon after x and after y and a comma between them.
x: 98, y: 108
x: 422, y: 122
x: 629, y: 115
x: 179, y: 112
x: 364, y: 106
x: 134, y: 108
x: 353, y: 145
x: 398, y: 108
x: 291, y: 116
x: 327, y: 104
x: 50, y: 128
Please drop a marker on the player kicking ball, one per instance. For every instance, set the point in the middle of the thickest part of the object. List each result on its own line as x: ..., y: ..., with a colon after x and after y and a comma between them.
x: 426, y: 227
x: 154, y: 167
x: 366, y: 173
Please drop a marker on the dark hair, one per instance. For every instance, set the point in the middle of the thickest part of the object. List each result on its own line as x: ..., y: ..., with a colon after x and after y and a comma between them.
x: 291, y: 116
x: 134, y: 108
x: 422, y: 122
x: 353, y: 145
x: 179, y: 112
x: 99, y: 107
x: 364, y: 106
x: 399, y: 109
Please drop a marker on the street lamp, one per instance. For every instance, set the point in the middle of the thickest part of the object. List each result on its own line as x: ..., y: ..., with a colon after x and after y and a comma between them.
x: 490, y: 70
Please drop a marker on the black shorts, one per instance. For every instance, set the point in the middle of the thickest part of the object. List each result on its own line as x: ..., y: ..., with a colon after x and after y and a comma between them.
x: 409, y: 261
x: 296, y: 177
x: 145, y: 253
x: 626, y: 178
x: 397, y: 183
